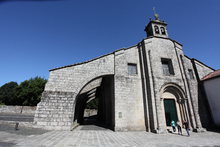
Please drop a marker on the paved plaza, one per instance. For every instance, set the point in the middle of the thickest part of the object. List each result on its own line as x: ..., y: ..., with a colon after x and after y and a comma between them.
x: 16, y: 117
x: 93, y: 136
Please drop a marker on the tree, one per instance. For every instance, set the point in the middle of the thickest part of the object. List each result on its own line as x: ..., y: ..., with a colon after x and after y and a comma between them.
x: 28, y: 93
x: 7, y: 93
x: 93, y: 104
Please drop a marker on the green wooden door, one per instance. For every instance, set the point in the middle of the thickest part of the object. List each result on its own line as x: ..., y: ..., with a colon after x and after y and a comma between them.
x: 170, y: 111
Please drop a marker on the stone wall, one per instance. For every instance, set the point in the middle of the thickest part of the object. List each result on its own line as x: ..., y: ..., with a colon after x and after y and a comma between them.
x: 29, y: 110
x: 156, y: 49
x: 56, y: 109
x: 203, y: 109
x: 202, y: 69
x: 136, y: 102
x: 192, y: 86
x: 73, y: 78
x: 90, y: 112
x: 129, y: 108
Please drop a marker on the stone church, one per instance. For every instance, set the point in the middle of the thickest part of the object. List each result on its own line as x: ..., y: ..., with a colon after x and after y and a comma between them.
x: 143, y: 87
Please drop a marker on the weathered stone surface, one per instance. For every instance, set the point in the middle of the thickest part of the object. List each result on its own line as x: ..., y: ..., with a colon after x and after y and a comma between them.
x: 135, y: 102
x: 18, y: 109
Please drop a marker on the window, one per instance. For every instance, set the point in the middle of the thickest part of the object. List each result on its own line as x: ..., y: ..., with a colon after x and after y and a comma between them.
x: 132, y: 69
x: 167, y: 67
x: 162, y: 29
x: 156, y: 29
x: 191, y: 76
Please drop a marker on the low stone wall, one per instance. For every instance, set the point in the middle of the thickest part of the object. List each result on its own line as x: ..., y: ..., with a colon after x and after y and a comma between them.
x: 30, y: 110
x: 90, y: 112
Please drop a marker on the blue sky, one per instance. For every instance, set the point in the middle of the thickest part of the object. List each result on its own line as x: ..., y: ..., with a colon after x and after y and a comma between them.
x: 38, y: 35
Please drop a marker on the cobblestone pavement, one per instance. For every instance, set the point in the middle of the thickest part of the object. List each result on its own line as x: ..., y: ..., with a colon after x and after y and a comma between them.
x: 83, y: 137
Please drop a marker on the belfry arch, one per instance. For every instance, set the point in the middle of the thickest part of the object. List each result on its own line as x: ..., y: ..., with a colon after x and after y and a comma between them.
x: 173, y: 104
x: 102, y: 89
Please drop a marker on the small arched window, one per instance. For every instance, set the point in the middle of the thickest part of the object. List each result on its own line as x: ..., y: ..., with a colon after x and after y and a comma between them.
x: 156, y: 29
x: 162, y: 29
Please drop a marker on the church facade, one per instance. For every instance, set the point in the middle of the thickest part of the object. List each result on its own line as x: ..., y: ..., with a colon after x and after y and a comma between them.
x: 143, y: 87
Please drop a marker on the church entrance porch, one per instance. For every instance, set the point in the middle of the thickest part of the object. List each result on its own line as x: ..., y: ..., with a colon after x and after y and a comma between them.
x: 173, y: 105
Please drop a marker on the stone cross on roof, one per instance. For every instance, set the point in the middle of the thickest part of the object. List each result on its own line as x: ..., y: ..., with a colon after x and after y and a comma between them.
x: 155, y: 14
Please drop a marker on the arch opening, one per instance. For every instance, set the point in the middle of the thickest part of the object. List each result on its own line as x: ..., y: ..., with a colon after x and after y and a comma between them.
x: 173, y: 104
x: 156, y: 29
x: 94, y: 104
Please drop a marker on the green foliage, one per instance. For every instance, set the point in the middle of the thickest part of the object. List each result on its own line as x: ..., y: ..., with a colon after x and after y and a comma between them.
x: 93, y: 104
x: 7, y: 93
x: 28, y: 93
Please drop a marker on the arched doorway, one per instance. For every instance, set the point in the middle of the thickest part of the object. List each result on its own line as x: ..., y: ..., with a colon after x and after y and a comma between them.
x: 173, y: 104
x: 94, y: 105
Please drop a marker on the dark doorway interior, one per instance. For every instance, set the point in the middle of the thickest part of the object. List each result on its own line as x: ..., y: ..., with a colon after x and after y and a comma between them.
x: 95, y: 103
x: 170, y: 111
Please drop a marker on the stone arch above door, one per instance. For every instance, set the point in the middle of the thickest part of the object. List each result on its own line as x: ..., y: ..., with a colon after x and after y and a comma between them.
x: 174, y: 91
x: 173, y: 103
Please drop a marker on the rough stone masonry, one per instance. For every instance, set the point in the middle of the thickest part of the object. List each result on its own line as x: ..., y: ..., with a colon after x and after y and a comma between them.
x: 142, y: 87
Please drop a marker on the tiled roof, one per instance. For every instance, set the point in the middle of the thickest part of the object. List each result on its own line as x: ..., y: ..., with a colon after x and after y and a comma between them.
x: 211, y: 75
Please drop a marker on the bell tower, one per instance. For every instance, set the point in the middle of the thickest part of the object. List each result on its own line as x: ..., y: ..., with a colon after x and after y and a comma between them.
x: 156, y: 27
